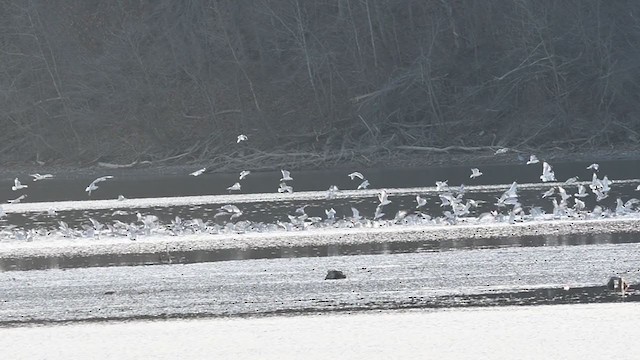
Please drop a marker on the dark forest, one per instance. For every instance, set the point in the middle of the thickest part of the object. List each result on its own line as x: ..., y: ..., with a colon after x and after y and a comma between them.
x: 313, y: 81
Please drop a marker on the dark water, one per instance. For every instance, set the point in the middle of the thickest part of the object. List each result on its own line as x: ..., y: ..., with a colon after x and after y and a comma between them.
x: 199, y: 256
x: 267, y: 182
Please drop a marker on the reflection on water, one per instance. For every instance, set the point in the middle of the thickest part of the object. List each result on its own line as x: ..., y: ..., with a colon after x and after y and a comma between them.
x: 198, y: 256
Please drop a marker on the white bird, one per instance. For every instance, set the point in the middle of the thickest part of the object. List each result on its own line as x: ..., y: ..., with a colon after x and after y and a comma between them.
x: 442, y: 185
x: 355, y: 214
x: 593, y: 167
x: 93, y: 186
x: 475, y: 172
x: 244, y: 174
x: 17, y: 185
x: 549, y: 192
x: 229, y: 209
x: 533, y: 160
x: 285, y: 188
x: 17, y: 200
x: 356, y: 174
x: 501, y: 151
x: 378, y: 214
x: 198, y: 172
x: 234, y: 187
x: 241, y: 137
x: 331, y: 214
x: 121, y: 198
x: 582, y: 192
x: 547, y: 173
x: 37, y: 176
x: 382, y: 197
x: 331, y: 192
x: 563, y: 193
x: 638, y: 188
x: 421, y: 201
x: 571, y: 181
x: 286, y: 175
x: 363, y: 185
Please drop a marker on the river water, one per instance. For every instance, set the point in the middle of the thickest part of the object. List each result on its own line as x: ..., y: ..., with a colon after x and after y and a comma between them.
x: 236, y: 283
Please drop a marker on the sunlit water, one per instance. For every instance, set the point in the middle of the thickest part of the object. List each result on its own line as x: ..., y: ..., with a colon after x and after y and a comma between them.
x: 593, y: 331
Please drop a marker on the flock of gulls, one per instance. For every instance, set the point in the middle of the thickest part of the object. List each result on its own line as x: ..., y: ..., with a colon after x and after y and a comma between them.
x: 456, y: 208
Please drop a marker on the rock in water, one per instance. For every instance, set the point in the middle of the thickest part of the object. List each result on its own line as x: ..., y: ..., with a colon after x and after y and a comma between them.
x: 335, y: 275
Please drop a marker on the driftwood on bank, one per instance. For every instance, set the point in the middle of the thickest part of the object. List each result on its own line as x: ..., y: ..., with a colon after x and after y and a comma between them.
x: 445, y: 149
x: 122, y: 166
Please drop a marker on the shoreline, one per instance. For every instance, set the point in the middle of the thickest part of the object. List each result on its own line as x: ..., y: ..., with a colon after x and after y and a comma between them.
x: 393, y: 160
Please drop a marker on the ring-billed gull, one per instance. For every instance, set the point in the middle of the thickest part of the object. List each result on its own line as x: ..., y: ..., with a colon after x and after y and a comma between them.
x: 241, y: 137
x: 331, y: 214
x: 17, y: 200
x: 17, y: 185
x: 593, y: 167
x: 533, y: 160
x: 198, y: 172
x: 356, y: 174
x: 382, y: 197
x: 378, y: 213
x: 421, y: 201
x: 355, y: 214
x: 37, y: 176
x: 331, y: 193
x: 285, y: 188
x: 93, y: 186
x: 442, y: 185
x: 286, y: 175
x: 244, y: 174
x: 582, y: 191
x: 363, y: 185
x: 547, y: 173
x: 475, y: 172
x: 501, y: 151
x: 235, y: 187
x: 229, y: 209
